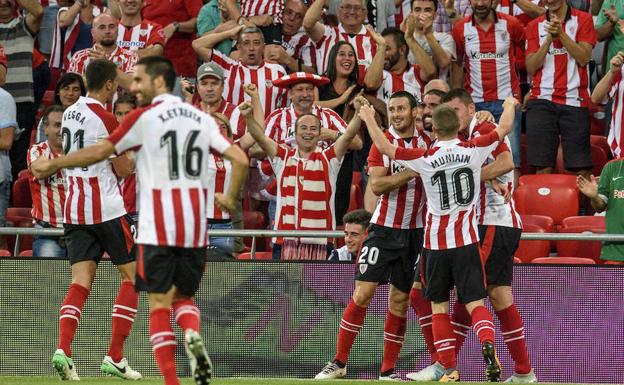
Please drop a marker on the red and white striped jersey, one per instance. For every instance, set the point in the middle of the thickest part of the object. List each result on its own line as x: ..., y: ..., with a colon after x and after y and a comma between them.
x: 219, y: 176
x: 409, y: 81
x: 93, y: 194
x: 489, y: 57
x: 450, y: 171
x: 65, y: 38
x: 124, y: 59
x: 561, y: 79
x: 142, y: 35
x: 402, y: 11
x: 300, y: 46
x: 399, y: 208
x: 280, y: 125
x: 616, y: 94
x: 48, y: 195
x: 274, y: 8
x: 491, y: 208
x: 236, y: 75
x: 305, y: 193
x: 47, y: 3
x: 171, y: 141
x: 363, y: 42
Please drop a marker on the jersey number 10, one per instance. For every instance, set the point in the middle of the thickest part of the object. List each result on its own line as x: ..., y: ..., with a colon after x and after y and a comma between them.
x: 463, y: 187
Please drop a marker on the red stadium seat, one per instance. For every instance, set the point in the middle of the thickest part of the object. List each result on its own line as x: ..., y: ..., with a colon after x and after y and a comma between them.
x: 525, y: 169
x: 542, y: 221
x: 601, y: 141
x: 517, y: 260
x: 552, y: 195
x: 597, y: 119
x: 599, y: 159
x: 19, y: 215
x: 254, y: 220
x: 48, y: 99
x: 259, y: 255
x: 26, y: 241
x: 26, y: 253
x: 21, y: 193
x: 585, y: 220
x: 355, y: 198
x: 529, y: 250
x: 356, y: 178
x: 565, y: 261
x: 614, y: 263
x: 5, y: 253
x: 580, y: 249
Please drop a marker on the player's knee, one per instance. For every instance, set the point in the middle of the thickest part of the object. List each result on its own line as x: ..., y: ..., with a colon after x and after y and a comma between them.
x: 500, y: 296
x: 363, y: 293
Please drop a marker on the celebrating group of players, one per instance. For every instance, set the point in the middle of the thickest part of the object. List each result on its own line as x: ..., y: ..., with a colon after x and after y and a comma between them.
x: 445, y: 195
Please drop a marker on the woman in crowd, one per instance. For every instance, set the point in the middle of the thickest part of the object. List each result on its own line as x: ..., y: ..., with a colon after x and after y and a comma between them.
x: 68, y: 89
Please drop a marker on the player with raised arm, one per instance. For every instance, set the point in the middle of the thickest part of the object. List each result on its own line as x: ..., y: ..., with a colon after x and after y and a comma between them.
x: 95, y: 223
x: 171, y: 140
x: 450, y: 171
x: 391, y: 247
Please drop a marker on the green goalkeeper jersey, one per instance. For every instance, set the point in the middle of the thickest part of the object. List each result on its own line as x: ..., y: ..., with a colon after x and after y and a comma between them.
x: 611, y: 190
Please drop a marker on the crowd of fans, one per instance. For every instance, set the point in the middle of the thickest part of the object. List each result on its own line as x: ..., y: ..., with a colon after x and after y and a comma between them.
x: 293, y: 58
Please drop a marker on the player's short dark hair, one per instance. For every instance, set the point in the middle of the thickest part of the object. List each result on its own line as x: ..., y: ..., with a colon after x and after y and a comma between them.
x: 304, y: 115
x: 397, y: 34
x: 413, y: 102
x: 98, y: 72
x: 45, y: 118
x: 435, y: 91
x: 445, y: 120
x: 156, y: 66
x: 125, y: 99
x: 359, y: 217
x: 435, y: 4
x: 458, y: 93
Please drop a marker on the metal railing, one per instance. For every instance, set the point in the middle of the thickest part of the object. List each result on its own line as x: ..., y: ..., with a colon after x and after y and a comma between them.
x: 254, y: 234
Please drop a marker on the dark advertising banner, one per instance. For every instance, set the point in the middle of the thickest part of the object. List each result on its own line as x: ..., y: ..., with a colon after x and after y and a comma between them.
x: 281, y: 320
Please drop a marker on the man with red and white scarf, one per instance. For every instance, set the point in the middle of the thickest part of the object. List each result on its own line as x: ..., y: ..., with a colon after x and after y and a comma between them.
x: 306, y: 176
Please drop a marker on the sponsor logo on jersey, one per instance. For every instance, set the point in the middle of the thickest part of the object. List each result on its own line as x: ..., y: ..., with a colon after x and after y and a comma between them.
x: 486, y: 55
x: 618, y: 194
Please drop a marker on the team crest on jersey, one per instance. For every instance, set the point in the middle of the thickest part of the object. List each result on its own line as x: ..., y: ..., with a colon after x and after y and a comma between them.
x: 363, y: 267
x: 143, y: 32
x: 268, y: 83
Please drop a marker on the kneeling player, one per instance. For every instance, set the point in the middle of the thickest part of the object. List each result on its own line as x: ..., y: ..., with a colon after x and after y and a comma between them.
x: 171, y: 140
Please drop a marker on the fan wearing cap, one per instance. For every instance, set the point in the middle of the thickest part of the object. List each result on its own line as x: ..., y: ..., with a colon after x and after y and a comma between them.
x: 249, y: 69
x: 307, y: 176
x: 209, y: 88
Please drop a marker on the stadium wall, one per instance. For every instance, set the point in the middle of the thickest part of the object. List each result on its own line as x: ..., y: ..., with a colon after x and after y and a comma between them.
x: 266, y: 319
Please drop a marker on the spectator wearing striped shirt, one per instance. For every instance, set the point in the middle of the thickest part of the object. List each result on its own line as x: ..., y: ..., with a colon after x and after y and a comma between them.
x: 137, y: 34
x: 48, y: 192
x: 17, y: 36
x: 250, y: 68
x: 559, y: 47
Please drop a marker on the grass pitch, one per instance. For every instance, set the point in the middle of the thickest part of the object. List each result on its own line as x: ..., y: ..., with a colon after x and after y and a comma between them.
x: 188, y: 381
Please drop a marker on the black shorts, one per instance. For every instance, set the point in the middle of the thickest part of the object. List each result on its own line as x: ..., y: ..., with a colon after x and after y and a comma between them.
x: 461, y: 267
x: 389, y: 255
x: 498, y: 246
x: 545, y: 122
x: 89, y: 242
x: 160, y: 267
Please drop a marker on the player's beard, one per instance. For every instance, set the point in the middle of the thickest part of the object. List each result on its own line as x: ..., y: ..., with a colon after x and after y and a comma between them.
x: 107, y: 42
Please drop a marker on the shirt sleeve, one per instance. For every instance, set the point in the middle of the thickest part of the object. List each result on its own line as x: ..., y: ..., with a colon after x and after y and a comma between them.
x: 411, y: 158
x: 447, y: 43
x: 601, y: 19
x: 459, y: 41
x: 157, y: 36
x: 586, y: 32
x: 376, y: 158
x: 518, y: 34
x: 486, y: 145
x: 532, y: 40
x: 604, y: 184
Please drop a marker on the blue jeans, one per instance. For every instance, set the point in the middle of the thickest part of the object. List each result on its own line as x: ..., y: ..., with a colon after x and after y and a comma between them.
x: 47, y: 247
x: 496, y: 108
x: 46, y: 31
x: 5, y: 195
x: 224, y: 243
